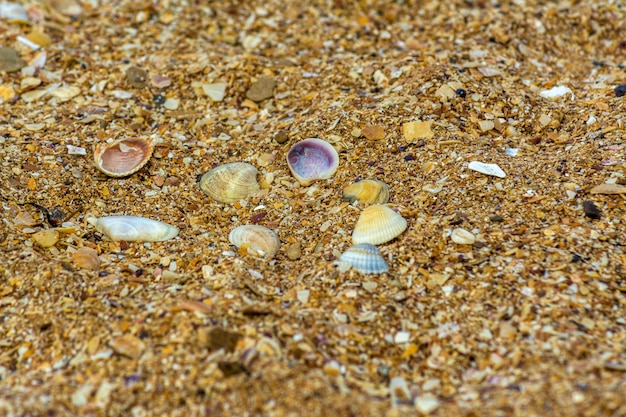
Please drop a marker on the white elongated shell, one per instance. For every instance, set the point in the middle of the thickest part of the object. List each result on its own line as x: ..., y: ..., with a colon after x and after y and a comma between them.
x: 378, y: 224
x: 462, y: 237
x: 367, y: 192
x: 231, y: 182
x: 123, y: 157
x: 365, y: 258
x: 255, y: 239
x: 487, y: 169
x: 312, y: 159
x: 133, y: 229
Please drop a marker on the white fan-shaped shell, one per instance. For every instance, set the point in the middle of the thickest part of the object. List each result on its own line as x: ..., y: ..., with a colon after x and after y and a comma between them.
x: 378, y: 224
x: 133, y: 229
x: 365, y: 258
x: 257, y: 239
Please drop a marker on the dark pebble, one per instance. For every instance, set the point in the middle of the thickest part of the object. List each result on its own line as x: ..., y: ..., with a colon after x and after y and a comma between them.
x: 461, y: 93
x: 159, y: 99
x: 496, y: 218
x: 282, y: 136
x: 620, y: 90
x: 591, y: 210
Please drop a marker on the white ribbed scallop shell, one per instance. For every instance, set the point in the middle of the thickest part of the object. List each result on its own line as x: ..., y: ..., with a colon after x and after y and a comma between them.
x: 365, y: 258
x: 133, y: 229
x: 378, y: 224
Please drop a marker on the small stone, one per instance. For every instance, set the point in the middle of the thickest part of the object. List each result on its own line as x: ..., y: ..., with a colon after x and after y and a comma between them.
x: 555, y: 92
x: 620, y: 90
x: 487, y: 169
x: 128, y: 345
x: 486, y: 125
x: 46, y: 238
x: 461, y: 92
x: 462, y: 237
x: 29, y: 83
x: 136, y: 77
x: 160, y: 81
x: 7, y: 94
x: 65, y: 93
x: 262, y: 89
x: 10, y: 61
x: 417, y: 130
x: 496, y: 218
x: 282, y: 136
x: 375, y: 132
x: 591, y: 210
x: 303, y: 296
x: 294, y: 251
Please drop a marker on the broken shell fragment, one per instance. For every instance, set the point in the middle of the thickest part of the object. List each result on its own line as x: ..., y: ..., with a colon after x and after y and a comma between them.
x: 365, y: 258
x: 367, y: 192
x: 86, y: 258
x: 378, y: 224
x: 487, y: 169
x: 230, y: 182
x: 257, y: 240
x: 312, y: 159
x: 133, y: 229
x: 123, y: 157
x: 462, y: 237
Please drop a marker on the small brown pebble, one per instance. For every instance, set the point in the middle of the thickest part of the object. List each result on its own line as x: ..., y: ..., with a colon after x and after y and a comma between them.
x: 218, y: 338
x: 262, y: 89
x: 136, y: 77
x: 231, y: 368
x: 281, y: 137
x: 591, y: 210
x: 496, y: 218
x: 10, y: 61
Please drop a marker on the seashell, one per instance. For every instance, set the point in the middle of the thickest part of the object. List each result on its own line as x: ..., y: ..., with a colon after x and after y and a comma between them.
x: 123, y: 157
x: 230, y: 182
x: 86, y: 258
x: 462, y: 237
x: 257, y: 240
x: 312, y: 159
x: 378, y: 224
x: 365, y: 258
x: 133, y: 229
x: 367, y: 192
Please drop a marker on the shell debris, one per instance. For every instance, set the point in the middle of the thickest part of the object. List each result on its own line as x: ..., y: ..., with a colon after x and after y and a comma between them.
x: 133, y: 229
x: 487, y: 169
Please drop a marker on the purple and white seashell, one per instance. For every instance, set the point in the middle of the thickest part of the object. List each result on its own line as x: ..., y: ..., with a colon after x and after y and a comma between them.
x: 312, y: 159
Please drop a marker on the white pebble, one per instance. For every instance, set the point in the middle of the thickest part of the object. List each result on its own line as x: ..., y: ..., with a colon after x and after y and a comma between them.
x: 487, y: 169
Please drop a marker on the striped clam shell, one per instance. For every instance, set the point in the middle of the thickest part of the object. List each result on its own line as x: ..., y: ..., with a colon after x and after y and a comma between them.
x: 123, y: 157
x: 367, y: 192
x: 378, y: 224
x: 255, y: 239
x: 231, y: 182
x: 133, y: 229
x: 365, y: 258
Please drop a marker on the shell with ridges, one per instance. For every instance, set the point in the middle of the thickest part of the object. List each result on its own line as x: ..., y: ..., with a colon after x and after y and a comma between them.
x: 367, y: 192
x: 312, y: 159
x: 258, y: 240
x: 123, y: 157
x: 230, y: 182
x: 133, y: 229
x: 378, y: 224
x: 365, y: 258
x: 86, y: 258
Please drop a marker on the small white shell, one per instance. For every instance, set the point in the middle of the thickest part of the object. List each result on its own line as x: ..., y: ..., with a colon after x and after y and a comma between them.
x: 256, y: 239
x: 462, y: 237
x: 365, y: 258
x: 378, y: 224
x: 133, y: 229
x: 231, y: 182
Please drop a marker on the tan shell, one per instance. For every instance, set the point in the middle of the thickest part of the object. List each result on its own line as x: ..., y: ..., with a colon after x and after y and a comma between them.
x: 86, y: 258
x: 123, y: 157
x: 378, y: 224
x: 257, y: 240
x: 230, y: 182
x: 367, y: 192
